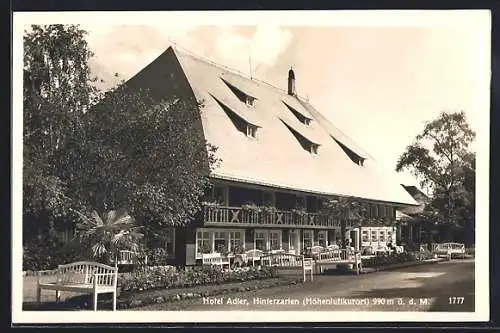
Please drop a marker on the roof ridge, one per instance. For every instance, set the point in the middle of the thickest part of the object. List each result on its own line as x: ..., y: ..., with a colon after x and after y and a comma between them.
x: 208, y: 61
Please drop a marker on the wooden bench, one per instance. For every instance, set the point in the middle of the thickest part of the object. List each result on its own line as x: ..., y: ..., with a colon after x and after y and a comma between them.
x: 289, y: 261
x: 338, y: 257
x: 449, y: 249
x: 126, y: 257
x: 332, y: 247
x: 215, y: 259
x: 253, y: 255
x: 84, y: 277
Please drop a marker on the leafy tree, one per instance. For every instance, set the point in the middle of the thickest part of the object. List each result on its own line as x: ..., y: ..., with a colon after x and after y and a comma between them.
x: 146, y: 154
x: 57, y: 91
x: 85, y: 150
x: 441, y: 159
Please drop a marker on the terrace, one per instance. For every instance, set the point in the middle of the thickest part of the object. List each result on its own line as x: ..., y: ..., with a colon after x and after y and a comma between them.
x: 219, y: 215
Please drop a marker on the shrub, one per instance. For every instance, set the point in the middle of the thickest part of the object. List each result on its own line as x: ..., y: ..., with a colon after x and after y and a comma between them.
x: 156, y: 257
x: 168, y: 278
x: 394, y: 258
x: 424, y: 255
x: 47, y: 253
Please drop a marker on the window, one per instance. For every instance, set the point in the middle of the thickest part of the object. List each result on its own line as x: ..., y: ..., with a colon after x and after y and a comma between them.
x: 322, y: 238
x: 242, y: 96
x: 300, y: 202
x: 219, y: 194
x: 308, y: 238
x: 381, y: 211
x: 389, y: 236
x: 260, y: 240
x: 314, y: 149
x: 306, y: 144
x: 374, y: 235
x: 235, y: 241
x: 170, y: 242
x: 364, y: 236
x: 303, y: 119
x: 320, y: 204
x: 268, y: 198
x: 390, y: 212
x: 203, y: 244
x: 355, y: 158
x: 239, y: 120
x: 275, y: 240
x: 251, y: 131
x: 250, y: 101
x: 220, y: 241
x: 382, y: 235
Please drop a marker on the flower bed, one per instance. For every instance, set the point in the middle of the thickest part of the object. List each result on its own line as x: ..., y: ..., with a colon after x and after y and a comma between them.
x: 396, y: 258
x: 168, y: 278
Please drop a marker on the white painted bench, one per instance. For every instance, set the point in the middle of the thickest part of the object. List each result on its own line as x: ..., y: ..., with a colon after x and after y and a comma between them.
x: 333, y: 247
x: 83, y: 277
x: 126, y: 257
x: 253, y: 255
x: 289, y: 261
x: 449, y: 249
x: 399, y: 248
x: 316, y: 249
x: 215, y: 259
x: 338, y: 256
x: 381, y: 250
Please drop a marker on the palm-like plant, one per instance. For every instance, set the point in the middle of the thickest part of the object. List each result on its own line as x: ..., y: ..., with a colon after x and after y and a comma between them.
x: 107, y: 236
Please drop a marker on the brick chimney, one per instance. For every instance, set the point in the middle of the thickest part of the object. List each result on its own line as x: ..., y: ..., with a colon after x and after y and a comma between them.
x: 291, y: 83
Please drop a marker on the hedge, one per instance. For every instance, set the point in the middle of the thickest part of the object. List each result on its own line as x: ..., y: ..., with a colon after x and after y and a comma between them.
x: 396, y: 258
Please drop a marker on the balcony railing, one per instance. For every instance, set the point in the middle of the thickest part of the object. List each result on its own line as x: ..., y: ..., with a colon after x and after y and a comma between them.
x: 231, y: 216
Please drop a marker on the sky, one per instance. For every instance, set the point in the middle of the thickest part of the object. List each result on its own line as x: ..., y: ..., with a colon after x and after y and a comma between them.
x: 378, y: 83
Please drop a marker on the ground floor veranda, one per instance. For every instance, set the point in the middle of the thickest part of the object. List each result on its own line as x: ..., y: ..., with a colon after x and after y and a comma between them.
x: 187, y: 246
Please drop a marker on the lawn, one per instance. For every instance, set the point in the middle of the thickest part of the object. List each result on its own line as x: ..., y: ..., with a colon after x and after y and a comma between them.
x: 29, y: 289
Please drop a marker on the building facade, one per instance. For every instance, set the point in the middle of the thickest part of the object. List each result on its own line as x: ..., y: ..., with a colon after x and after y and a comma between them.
x: 280, y: 160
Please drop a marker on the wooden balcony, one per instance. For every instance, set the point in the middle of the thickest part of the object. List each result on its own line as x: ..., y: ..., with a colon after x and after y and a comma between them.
x: 241, y: 217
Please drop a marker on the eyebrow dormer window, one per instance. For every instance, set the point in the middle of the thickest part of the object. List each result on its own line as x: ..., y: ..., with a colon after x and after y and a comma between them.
x: 250, y: 101
x: 355, y: 158
x: 251, y: 131
x: 242, y: 123
x: 306, y: 144
x: 240, y: 94
x: 314, y: 148
x: 303, y: 119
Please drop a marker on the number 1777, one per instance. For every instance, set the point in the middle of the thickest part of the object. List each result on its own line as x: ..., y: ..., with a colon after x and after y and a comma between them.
x: 456, y: 300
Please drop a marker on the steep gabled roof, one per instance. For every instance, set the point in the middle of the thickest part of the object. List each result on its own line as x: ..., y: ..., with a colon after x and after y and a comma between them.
x: 419, y: 197
x: 416, y: 193
x: 275, y: 158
